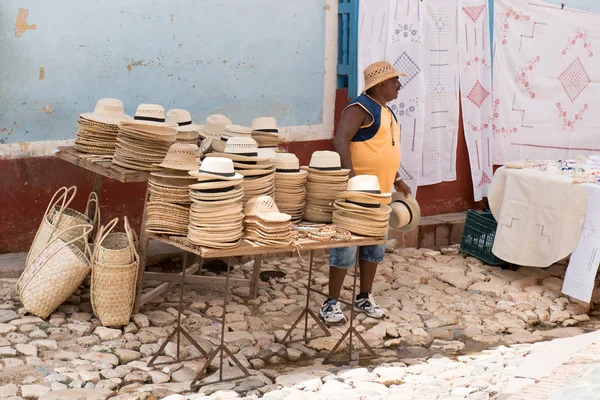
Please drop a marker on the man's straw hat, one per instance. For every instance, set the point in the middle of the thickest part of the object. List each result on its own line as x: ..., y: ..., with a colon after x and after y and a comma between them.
x: 379, y: 72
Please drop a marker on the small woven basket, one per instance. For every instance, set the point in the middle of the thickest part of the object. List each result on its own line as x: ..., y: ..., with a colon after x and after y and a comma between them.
x: 113, y: 285
x: 116, y: 248
x: 56, y: 272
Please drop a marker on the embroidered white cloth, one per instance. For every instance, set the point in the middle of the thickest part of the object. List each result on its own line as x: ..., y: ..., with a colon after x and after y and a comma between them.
x: 373, y: 22
x: 583, y: 265
x: 540, y: 216
x: 546, y: 81
x: 476, y: 95
x: 440, y: 70
x: 404, y: 53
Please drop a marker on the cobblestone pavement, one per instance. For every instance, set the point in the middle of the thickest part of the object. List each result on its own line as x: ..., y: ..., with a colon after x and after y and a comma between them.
x: 455, y: 329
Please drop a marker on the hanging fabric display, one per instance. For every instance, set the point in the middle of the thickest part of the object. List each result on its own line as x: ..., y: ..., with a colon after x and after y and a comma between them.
x: 373, y: 21
x: 404, y: 53
x: 440, y: 71
x: 476, y: 90
x: 546, y: 75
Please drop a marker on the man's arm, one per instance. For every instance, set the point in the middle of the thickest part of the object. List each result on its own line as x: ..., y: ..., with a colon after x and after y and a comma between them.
x: 350, y: 122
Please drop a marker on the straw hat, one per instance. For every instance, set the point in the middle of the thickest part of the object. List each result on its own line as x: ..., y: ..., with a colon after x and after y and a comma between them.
x: 288, y: 164
x: 186, y: 130
x: 150, y: 114
x: 264, y: 124
x: 107, y: 111
x: 214, y: 126
x: 264, y: 208
x: 406, y: 212
x: 181, y: 157
x: 326, y: 162
x: 229, y: 132
x: 216, y: 168
x: 379, y: 72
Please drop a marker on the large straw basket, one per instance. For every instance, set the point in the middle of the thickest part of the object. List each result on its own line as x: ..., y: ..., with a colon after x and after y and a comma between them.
x: 56, y: 272
x: 58, y: 218
x: 112, y: 292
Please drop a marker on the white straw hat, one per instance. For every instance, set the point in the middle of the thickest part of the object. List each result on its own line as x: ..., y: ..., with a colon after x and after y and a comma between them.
x: 181, y: 157
x: 183, y: 119
x: 228, y: 132
x: 287, y: 163
x: 366, y: 184
x: 264, y: 124
x: 325, y: 161
x: 107, y: 111
x: 217, y: 168
x: 214, y: 126
x: 406, y: 212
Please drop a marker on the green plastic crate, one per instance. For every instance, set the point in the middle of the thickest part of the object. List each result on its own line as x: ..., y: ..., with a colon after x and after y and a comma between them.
x: 478, y: 237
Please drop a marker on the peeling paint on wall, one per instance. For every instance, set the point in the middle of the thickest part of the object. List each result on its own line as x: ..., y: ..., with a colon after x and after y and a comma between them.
x: 21, y: 25
x: 42, y: 73
x: 48, y: 109
x: 135, y: 64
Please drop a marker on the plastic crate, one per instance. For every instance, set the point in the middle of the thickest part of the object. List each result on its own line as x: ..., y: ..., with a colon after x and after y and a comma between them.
x: 478, y: 237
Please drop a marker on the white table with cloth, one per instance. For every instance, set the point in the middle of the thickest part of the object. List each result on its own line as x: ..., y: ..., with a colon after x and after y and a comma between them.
x: 546, y: 214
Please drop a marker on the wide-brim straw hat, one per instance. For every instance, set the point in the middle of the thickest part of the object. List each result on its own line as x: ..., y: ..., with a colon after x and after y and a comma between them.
x: 183, y: 121
x: 366, y: 198
x: 204, y: 185
x: 239, y: 157
x: 216, y: 168
x: 379, y: 72
x: 181, y: 157
x: 406, y: 212
x: 345, y: 205
x: 150, y: 115
x: 107, y: 111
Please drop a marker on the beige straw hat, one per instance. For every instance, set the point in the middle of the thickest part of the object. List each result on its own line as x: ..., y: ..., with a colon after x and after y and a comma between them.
x: 216, y: 168
x: 107, y: 111
x: 406, y: 212
x: 214, y: 126
x: 181, y: 157
x: 326, y: 162
x: 379, y: 72
x: 186, y: 130
x: 150, y: 114
x: 264, y: 124
x: 229, y: 132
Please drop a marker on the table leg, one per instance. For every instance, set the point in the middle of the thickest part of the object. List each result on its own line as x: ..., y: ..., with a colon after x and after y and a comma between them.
x: 222, y: 349
x: 255, y: 277
x: 305, y: 314
x: 143, y: 248
x: 351, y: 331
x: 98, y: 179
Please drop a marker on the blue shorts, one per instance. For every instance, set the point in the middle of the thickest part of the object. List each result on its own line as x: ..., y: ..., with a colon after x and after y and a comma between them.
x: 345, y: 257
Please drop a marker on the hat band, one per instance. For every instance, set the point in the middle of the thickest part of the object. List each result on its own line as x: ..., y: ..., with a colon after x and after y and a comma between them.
x: 246, y: 162
x: 244, y: 154
x: 267, y: 130
x: 407, y: 207
x: 367, y: 191
x: 219, y: 190
x: 287, y: 170
x: 327, y: 168
x: 224, y: 139
x: 153, y: 119
x: 184, y: 123
x: 364, y: 204
x: 226, y: 174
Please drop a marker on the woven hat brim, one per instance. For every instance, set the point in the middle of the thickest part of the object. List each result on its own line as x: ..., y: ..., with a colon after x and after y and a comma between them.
x: 382, y: 209
x: 214, y: 185
x: 415, y: 208
x: 208, y: 176
x: 104, y: 120
x: 341, y: 171
x: 179, y: 167
x: 236, y: 157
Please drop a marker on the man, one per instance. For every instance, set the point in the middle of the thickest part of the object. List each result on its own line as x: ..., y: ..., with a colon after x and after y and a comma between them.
x: 368, y: 142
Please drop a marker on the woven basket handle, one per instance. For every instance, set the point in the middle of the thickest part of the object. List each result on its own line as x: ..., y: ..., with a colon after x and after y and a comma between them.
x: 131, y: 235
x: 86, y: 229
x: 93, y: 198
x: 103, y: 232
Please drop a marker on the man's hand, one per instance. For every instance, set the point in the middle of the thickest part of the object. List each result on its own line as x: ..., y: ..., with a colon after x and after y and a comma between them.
x: 351, y: 174
x: 400, y: 186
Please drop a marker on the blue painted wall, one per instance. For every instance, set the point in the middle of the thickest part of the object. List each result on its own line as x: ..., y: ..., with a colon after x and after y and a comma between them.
x: 242, y: 58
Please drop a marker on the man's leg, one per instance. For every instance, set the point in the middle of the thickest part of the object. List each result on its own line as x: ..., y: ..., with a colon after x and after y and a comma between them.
x: 336, y: 280
x: 340, y: 260
x: 368, y: 269
x: 370, y: 257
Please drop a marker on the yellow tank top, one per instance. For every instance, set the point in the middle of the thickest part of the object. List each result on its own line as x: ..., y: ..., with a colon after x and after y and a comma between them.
x: 375, y: 148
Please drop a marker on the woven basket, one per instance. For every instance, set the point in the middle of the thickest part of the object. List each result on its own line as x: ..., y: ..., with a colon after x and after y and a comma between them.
x: 116, y: 248
x: 58, y: 218
x: 56, y: 272
x: 112, y: 291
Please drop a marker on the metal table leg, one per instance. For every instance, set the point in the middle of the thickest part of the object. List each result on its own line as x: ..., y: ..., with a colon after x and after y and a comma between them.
x: 143, y: 249
x: 305, y: 314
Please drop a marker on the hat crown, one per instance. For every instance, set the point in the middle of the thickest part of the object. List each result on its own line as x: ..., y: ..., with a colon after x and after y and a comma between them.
x: 181, y: 156
x: 241, y: 145
x: 379, y: 72
x: 154, y: 111
x: 215, y: 125
x: 262, y: 123
x: 178, y: 116
x: 260, y: 204
x: 325, y: 159
x: 220, y: 165
x: 364, y: 183
x: 111, y: 108
x: 286, y: 161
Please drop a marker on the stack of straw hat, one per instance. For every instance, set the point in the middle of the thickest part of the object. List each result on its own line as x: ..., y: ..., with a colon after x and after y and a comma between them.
x: 258, y: 172
x: 229, y: 132
x: 97, y: 130
x: 212, y: 129
x: 264, y: 225
x: 187, y: 132
x: 168, y: 208
x: 290, y: 188
x: 143, y: 142
x: 325, y: 180
x: 362, y: 208
x: 216, y: 214
x: 265, y: 132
